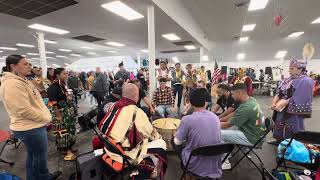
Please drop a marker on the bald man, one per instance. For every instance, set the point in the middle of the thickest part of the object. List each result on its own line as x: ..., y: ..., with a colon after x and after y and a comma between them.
x: 124, y: 115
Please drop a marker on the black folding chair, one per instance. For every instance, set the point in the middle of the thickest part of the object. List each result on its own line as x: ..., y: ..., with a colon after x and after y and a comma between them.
x: 258, y: 145
x: 211, y: 150
x: 307, y: 137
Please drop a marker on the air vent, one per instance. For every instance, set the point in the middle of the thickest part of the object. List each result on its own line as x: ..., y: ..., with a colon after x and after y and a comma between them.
x: 240, y: 4
x: 32, y: 8
x: 183, y: 43
x: 175, y: 51
x: 88, y: 38
x: 236, y: 38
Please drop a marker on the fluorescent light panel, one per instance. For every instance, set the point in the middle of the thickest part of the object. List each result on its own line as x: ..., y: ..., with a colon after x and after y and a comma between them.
x: 65, y: 50
x: 8, y: 48
x: 241, y: 56
x: 92, y: 53
x: 115, y: 44
x: 122, y: 10
x: 316, y: 21
x: 205, y: 58
x: 76, y: 55
x: 56, y: 65
x: 190, y: 47
x: 50, y: 42
x: 33, y: 54
x: 61, y: 56
x: 66, y: 64
x: 25, y: 45
x: 1, y: 51
x: 145, y: 50
x: 248, y: 27
x: 112, y: 51
x: 49, y: 52
x: 85, y: 47
x: 171, y: 37
x: 257, y: 4
x: 296, y: 34
x: 281, y: 54
x: 244, y: 39
x: 48, y: 29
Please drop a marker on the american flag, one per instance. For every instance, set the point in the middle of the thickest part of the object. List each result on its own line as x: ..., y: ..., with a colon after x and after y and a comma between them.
x: 216, y: 73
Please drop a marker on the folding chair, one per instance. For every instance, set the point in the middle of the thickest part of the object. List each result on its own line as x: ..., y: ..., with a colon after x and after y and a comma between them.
x: 269, y: 125
x: 307, y: 137
x: 211, y: 150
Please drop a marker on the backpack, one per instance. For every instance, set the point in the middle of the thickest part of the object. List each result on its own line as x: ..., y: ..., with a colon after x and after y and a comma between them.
x: 8, y: 176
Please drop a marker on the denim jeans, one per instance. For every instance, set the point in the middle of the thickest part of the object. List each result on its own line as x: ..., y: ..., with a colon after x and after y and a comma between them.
x: 36, y: 142
x: 177, y: 89
x: 235, y: 137
x: 164, y: 109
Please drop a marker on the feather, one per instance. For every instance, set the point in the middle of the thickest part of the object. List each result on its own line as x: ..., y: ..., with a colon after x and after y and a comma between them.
x: 308, y: 51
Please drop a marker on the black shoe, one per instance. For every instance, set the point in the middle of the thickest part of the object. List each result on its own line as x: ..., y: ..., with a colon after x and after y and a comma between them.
x: 55, y: 175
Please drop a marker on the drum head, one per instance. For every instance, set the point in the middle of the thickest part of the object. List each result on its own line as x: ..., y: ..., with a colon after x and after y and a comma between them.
x: 166, y: 123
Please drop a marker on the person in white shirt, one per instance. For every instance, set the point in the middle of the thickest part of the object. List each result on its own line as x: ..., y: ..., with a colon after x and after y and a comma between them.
x: 163, y: 72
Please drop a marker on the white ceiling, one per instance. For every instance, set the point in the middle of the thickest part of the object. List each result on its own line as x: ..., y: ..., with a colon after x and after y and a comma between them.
x: 221, y: 21
x: 218, y: 19
x: 89, y: 18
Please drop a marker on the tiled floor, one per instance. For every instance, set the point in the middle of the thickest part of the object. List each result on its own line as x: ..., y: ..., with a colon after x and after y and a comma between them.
x: 245, y: 171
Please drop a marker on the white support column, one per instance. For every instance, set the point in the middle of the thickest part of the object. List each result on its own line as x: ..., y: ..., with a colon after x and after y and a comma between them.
x: 201, y: 54
x: 42, y: 53
x: 152, y: 50
x: 139, y: 60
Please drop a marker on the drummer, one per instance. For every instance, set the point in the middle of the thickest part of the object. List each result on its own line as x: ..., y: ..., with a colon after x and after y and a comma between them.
x: 200, y: 128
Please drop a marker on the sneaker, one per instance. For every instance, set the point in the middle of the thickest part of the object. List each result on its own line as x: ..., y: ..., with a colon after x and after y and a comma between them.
x: 226, y: 165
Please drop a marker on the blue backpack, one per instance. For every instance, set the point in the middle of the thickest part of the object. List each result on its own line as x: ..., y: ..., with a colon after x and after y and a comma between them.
x: 7, y: 176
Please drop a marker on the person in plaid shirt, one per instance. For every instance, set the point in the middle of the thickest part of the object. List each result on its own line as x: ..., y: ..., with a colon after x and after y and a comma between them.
x: 164, y: 99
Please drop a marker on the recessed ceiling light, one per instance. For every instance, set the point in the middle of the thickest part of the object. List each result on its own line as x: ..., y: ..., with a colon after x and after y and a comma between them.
x: 257, y: 4
x: 281, y: 54
x: 49, y: 52
x: 65, y: 50
x: 145, y: 50
x: 25, y: 45
x: 122, y: 10
x: 171, y: 37
x: 243, y: 39
x: 175, y: 59
x: 56, y: 65
x: 50, y: 42
x: 50, y: 57
x: 48, y: 29
x: 61, y: 56
x: 189, y: 47
x: 112, y: 51
x: 86, y: 47
x: 115, y: 44
x: 241, y: 56
x: 8, y: 48
x: 66, y: 64
x: 1, y: 51
x: 33, y: 54
x: 35, y: 58
x: 316, y: 21
x: 296, y: 34
x: 205, y: 58
x: 92, y: 53
x: 76, y: 55
x: 248, y: 27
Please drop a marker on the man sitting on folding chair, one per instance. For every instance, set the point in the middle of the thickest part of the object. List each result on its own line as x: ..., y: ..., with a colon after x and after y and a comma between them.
x: 201, y: 128
x: 243, y: 128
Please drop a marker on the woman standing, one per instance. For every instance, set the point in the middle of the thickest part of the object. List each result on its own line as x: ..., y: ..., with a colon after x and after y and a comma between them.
x: 292, y: 102
x: 91, y: 78
x: 28, y: 116
x: 63, y: 114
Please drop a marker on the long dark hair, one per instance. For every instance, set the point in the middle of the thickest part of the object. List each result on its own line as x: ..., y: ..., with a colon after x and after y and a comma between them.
x: 12, y: 59
x: 58, y: 71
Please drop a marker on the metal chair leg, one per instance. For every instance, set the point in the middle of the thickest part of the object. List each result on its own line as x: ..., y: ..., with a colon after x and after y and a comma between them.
x: 7, y: 162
